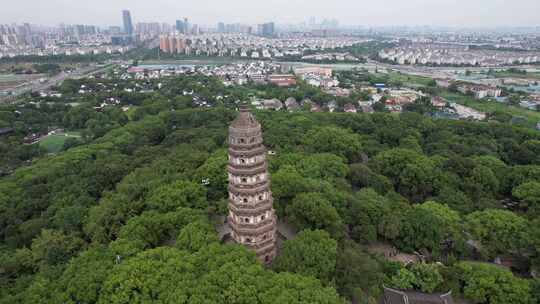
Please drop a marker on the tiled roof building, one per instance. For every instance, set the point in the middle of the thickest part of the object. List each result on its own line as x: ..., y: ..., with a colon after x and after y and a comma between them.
x: 394, y: 296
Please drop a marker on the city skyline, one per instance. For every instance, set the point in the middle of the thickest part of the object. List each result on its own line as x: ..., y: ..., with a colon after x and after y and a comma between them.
x: 460, y: 13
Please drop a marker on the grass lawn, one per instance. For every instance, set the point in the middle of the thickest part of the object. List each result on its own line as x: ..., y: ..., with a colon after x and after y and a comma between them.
x: 54, y: 143
x: 531, y: 117
x: 510, y: 74
x: 408, y: 79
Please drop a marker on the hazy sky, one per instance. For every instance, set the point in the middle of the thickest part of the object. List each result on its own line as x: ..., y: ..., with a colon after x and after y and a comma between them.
x: 350, y: 12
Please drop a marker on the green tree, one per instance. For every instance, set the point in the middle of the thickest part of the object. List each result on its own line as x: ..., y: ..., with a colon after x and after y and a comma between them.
x: 332, y: 140
x: 311, y: 253
x: 451, y: 221
x: 84, y: 276
x: 154, y: 229
x: 325, y: 166
x: 482, y: 181
x: 216, y: 274
x: 529, y: 195
x: 498, y: 231
x: 362, y: 176
x: 313, y: 211
x: 404, y: 279
x: 365, y: 215
x: 427, y: 277
x: 411, y: 173
x: 195, y: 236
x: 213, y: 173
x: 484, y: 283
x: 178, y: 194
x: 422, y: 229
x: 286, y: 184
x: 52, y: 248
x: 357, y: 274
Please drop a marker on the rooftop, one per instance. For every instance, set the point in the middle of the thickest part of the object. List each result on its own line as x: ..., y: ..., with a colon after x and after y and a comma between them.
x: 394, y: 296
x: 245, y: 119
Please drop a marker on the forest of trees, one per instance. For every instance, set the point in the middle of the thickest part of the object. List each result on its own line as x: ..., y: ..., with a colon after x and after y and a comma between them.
x: 122, y: 216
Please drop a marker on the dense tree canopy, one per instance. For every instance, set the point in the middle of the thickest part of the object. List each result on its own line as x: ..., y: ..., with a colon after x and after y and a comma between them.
x: 498, y: 231
x: 126, y: 212
x: 484, y: 283
x: 311, y: 253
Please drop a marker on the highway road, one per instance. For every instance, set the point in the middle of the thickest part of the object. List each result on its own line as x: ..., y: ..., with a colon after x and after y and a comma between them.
x: 37, y: 85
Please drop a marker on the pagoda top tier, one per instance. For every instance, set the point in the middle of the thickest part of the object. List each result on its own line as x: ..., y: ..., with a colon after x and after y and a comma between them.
x: 245, y: 119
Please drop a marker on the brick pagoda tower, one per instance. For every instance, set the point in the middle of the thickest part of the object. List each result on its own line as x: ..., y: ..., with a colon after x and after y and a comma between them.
x: 251, y: 216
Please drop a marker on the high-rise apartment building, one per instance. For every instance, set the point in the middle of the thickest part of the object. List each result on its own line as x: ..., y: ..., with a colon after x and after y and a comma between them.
x: 187, y: 28
x: 267, y: 29
x: 221, y: 27
x: 128, y: 24
x: 180, y: 26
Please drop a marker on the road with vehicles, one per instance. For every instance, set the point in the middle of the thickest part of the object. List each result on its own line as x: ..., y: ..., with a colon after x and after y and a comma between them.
x: 42, y: 85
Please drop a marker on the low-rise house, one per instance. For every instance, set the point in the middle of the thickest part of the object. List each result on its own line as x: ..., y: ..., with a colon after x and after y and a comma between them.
x: 338, y: 92
x: 438, y: 102
x: 316, y: 108
x: 332, y: 106
x: 328, y: 82
x: 376, y: 97
x: 367, y: 109
x: 467, y: 113
x: 6, y: 131
x: 258, y: 78
x: 31, y: 139
x: 325, y: 72
x: 268, y: 104
x: 443, y: 82
x: 282, y: 80
x: 530, y: 105
x: 349, y: 108
x: 365, y: 102
x: 306, y: 102
x: 291, y: 104
x: 480, y: 91
x: 394, y: 108
x: 312, y: 80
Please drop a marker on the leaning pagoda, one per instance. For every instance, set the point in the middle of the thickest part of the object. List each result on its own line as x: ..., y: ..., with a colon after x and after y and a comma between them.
x: 252, y: 218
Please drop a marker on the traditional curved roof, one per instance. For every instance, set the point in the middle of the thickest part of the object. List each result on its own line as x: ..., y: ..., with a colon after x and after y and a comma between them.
x: 394, y: 296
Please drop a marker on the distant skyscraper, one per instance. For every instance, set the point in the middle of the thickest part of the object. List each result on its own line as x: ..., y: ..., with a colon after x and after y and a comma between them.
x: 180, y: 26
x: 194, y: 29
x: 267, y: 29
x: 80, y: 30
x: 128, y: 25
x: 186, y: 26
x: 221, y: 27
